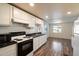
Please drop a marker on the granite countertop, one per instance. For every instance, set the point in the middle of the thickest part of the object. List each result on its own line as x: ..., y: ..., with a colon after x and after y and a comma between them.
x: 7, y: 44
x: 34, y: 36
x: 12, y: 42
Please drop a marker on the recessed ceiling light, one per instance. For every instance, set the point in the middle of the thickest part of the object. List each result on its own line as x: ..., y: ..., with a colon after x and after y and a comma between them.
x: 47, y: 17
x: 69, y: 12
x: 32, y: 4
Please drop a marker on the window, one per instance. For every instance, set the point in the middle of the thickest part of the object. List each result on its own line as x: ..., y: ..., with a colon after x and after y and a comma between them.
x: 57, y: 29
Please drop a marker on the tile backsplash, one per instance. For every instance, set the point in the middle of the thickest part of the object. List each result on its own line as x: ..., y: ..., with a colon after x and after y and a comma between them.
x: 14, y: 27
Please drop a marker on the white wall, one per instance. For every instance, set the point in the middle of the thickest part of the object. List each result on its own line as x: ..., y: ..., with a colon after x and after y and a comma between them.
x: 66, y: 31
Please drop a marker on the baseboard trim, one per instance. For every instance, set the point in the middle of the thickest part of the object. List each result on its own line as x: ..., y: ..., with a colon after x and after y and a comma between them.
x: 59, y: 38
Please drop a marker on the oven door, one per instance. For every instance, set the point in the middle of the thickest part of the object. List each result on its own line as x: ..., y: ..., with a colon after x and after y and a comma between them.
x: 25, y: 47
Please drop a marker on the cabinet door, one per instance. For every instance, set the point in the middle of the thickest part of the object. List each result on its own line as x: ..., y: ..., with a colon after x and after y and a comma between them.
x: 9, y: 50
x: 43, y: 39
x: 42, y: 26
x: 5, y: 14
x: 31, y: 21
x: 19, y: 14
x: 39, y: 41
x: 38, y: 21
x: 35, y: 44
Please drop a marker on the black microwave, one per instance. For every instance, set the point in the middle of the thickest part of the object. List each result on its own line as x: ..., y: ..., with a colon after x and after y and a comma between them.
x: 4, y: 38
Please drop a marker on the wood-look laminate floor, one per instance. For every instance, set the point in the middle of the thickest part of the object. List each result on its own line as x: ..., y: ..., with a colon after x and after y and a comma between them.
x: 55, y: 47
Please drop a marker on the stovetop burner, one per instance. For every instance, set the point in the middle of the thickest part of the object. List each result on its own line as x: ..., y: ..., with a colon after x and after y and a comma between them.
x: 18, y: 39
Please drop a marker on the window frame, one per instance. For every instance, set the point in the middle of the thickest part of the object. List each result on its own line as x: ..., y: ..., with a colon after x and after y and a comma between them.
x: 57, y: 29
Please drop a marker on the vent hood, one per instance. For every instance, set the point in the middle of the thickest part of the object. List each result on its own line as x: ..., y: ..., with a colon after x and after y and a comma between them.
x: 21, y: 21
x: 16, y: 20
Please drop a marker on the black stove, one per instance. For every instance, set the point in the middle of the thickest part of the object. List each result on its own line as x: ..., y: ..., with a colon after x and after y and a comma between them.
x: 24, y: 44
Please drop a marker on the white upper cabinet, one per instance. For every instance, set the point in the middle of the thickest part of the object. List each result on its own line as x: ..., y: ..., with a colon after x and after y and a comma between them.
x: 31, y: 21
x: 39, y: 25
x: 19, y: 14
x: 5, y: 14
x: 25, y: 17
x: 38, y: 21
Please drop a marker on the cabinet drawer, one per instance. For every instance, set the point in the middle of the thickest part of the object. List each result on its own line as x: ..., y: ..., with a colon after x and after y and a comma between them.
x: 9, y: 50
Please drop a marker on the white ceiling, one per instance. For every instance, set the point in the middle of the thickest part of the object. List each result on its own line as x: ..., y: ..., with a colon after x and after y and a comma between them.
x: 57, y: 12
